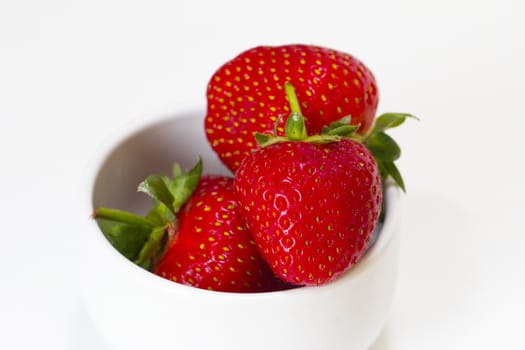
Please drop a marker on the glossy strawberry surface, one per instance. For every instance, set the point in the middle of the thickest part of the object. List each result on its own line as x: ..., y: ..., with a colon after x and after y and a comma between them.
x: 246, y: 94
x: 212, y: 248
x: 311, y: 207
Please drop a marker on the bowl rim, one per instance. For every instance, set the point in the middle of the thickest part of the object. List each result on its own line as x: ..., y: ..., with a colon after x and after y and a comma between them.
x: 391, y: 193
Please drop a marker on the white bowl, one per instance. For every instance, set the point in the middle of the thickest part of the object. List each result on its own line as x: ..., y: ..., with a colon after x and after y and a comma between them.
x: 135, y: 309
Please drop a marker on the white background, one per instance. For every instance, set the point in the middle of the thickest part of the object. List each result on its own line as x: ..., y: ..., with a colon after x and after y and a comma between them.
x: 73, y: 72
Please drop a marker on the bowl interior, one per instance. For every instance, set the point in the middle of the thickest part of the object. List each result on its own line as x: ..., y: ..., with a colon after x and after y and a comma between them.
x: 153, y: 146
x: 152, y: 150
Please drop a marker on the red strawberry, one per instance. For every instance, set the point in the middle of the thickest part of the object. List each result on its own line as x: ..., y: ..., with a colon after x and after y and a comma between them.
x: 311, y: 202
x: 193, y: 235
x: 212, y: 248
x: 311, y: 207
x: 245, y: 95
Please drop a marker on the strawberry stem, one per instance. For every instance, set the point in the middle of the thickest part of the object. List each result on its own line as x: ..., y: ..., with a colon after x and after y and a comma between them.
x: 295, y: 128
x: 292, y: 98
x: 122, y: 217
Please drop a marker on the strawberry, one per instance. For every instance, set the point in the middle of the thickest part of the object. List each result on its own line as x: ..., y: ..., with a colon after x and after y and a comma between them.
x: 312, y: 202
x: 212, y: 248
x: 245, y: 95
x: 193, y: 235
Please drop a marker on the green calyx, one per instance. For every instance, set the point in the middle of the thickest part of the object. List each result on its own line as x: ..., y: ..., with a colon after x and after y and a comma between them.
x: 143, y: 239
x: 383, y: 147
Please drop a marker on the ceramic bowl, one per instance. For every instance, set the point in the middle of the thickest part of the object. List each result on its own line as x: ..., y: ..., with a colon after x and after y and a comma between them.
x: 134, y: 309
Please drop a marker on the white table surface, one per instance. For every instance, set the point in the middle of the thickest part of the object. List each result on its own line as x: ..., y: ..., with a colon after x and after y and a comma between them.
x: 73, y: 72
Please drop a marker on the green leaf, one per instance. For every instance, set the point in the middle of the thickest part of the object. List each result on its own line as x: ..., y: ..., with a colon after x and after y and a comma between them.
x: 342, y: 127
x: 261, y: 138
x: 343, y: 130
x: 392, y: 170
x: 173, y: 193
x: 153, y: 248
x: 183, y: 185
x: 159, y: 214
x: 383, y: 146
x: 346, y: 120
x: 382, y: 170
x: 127, y: 239
x: 155, y: 186
x: 390, y: 120
x: 176, y: 170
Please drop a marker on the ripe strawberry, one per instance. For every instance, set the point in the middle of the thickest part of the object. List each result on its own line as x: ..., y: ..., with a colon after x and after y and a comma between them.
x: 212, y: 248
x: 311, y: 202
x: 245, y: 95
x: 193, y: 235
